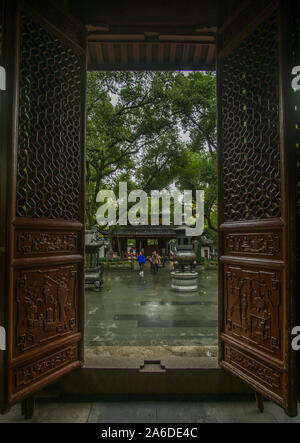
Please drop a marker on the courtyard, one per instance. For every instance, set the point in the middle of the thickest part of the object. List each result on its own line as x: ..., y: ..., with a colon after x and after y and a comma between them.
x: 168, y: 99
x: 133, y: 314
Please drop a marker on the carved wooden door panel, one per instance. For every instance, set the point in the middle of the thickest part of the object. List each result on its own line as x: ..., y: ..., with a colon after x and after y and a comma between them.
x: 43, y: 238
x: 257, y: 205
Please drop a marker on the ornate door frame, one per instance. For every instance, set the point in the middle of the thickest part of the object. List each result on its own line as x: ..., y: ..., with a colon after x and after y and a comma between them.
x: 257, y: 203
x: 42, y: 245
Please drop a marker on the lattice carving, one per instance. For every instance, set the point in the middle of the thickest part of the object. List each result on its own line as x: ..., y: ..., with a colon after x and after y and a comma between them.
x: 250, y: 125
x: 49, y: 140
x: 46, y: 301
x: 56, y: 16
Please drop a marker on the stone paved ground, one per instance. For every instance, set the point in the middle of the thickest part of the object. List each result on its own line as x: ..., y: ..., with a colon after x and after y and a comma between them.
x: 152, y: 412
x: 143, y: 311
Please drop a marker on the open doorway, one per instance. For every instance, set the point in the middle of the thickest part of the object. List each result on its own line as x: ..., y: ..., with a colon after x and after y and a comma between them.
x: 43, y: 175
x: 153, y: 131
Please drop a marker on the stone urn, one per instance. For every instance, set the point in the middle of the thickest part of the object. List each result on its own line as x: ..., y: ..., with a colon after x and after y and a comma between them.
x: 184, y: 276
x: 184, y: 254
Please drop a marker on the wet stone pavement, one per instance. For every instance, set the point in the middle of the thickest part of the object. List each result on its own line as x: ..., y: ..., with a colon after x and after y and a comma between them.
x: 143, y: 311
x: 151, y: 412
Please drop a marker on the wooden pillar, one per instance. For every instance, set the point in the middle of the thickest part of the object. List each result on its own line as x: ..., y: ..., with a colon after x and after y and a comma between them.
x: 160, y: 243
x: 259, y: 402
x: 123, y: 245
x: 27, y: 407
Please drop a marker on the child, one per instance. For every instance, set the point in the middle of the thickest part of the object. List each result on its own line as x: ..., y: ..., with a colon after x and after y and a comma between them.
x: 141, y: 261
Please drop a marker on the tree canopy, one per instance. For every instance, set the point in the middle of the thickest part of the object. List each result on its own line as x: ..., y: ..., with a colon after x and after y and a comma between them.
x: 152, y: 130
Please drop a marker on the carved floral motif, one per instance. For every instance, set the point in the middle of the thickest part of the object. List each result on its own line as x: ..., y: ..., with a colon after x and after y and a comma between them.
x: 267, y: 244
x: 28, y: 243
x: 267, y: 376
x: 32, y: 372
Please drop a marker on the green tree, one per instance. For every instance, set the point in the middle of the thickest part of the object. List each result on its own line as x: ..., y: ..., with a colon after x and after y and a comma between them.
x: 135, y: 127
x: 129, y: 116
x: 194, y: 103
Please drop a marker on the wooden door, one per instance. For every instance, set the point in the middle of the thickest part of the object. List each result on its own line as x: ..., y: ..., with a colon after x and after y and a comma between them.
x: 150, y: 249
x: 257, y: 198
x: 42, y: 171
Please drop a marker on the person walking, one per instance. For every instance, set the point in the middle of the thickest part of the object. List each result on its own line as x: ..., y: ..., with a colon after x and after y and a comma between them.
x: 155, y: 260
x: 141, y: 261
x: 151, y: 264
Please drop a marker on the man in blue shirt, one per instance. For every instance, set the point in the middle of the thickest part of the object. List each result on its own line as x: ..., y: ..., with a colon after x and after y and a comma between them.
x: 141, y: 261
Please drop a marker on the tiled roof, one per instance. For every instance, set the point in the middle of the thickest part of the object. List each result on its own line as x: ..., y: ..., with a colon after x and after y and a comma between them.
x: 140, y: 230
